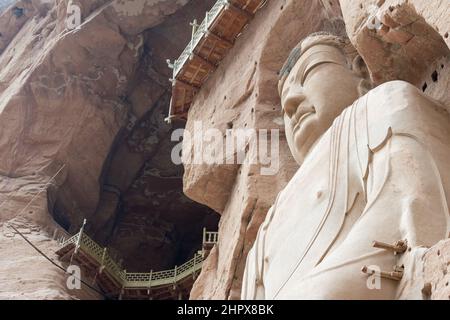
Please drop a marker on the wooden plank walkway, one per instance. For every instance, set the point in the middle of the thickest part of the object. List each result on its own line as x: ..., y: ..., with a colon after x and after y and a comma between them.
x: 117, y: 283
x: 210, y: 42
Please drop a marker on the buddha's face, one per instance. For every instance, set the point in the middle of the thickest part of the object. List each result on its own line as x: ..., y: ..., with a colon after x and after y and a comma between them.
x: 316, y: 91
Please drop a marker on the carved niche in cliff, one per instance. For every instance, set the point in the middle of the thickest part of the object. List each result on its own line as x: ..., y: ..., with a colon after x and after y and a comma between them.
x: 373, y: 167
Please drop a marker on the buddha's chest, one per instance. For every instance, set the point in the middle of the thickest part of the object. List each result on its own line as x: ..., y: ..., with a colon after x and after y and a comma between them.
x: 309, y: 215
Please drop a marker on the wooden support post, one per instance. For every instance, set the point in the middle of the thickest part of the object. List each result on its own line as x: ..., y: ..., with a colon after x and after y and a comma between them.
x: 204, y: 243
x: 80, y: 236
x: 72, y: 256
x: 194, y: 25
x: 398, y: 247
x: 66, y: 255
x: 78, y: 244
x: 249, y: 16
x: 175, y: 275
x: 102, y: 265
x: 181, y: 116
x: 122, y: 290
x: 193, y: 268
x: 396, y: 275
x: 170, y: 115
x: 149, y: 290
x: 95, y: 277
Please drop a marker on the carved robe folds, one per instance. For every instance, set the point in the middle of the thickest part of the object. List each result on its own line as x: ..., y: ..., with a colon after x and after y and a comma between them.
x: 381, y: 172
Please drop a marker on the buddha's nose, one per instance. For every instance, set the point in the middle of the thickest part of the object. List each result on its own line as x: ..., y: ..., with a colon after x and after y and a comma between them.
x: 292, y: 102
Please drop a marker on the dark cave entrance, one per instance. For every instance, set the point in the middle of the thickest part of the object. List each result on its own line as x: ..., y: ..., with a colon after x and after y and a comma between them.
x: 155, y: 226
x: 143, y: 217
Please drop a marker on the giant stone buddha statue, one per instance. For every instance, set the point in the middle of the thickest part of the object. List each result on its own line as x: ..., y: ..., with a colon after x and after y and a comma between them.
x: 374, y: 167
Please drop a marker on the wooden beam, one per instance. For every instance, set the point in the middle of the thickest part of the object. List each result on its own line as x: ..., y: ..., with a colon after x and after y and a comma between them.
x: 183, y: 115
x: 230, y: 22
x: 179, y: 116
x: 225, y: 42
x: 184, y: 85
x: 184, y: 95
x: 212, y: 50
x: 249, y: 16
x: 67, y: 254
x: 203, y: 61
x: 197, y: 71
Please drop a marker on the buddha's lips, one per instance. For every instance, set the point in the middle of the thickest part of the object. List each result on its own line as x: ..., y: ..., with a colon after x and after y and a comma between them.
x: 301, y: 116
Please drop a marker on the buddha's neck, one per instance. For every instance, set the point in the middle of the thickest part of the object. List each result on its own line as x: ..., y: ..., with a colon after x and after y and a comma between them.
x: 313, y: 146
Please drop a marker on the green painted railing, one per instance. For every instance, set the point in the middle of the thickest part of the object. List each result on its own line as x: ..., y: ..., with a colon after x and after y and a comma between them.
x: 133, y: 279
x: 210, y: 237
x: 197, y: 35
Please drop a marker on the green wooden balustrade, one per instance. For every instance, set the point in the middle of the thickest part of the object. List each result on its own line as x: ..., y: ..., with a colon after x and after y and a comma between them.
x: 136, y: 279
x: 198, y: 33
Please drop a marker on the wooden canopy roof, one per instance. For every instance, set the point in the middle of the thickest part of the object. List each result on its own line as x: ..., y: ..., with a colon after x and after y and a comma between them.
x: 210, y: 42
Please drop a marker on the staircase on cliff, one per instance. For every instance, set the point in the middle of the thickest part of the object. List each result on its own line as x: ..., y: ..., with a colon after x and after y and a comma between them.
x: 117, y: 283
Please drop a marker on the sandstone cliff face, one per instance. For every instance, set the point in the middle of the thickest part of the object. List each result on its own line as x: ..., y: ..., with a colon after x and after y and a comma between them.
x: 436, y: 272
x: 82, y: 132
x: 82, y: 136
x: 412, y: 44
x: 242, y: 94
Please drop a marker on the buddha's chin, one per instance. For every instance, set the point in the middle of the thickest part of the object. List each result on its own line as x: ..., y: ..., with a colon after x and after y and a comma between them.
x: 304, y: 139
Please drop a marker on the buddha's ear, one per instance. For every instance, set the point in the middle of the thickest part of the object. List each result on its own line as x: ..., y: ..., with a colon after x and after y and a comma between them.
x: 360, y: 68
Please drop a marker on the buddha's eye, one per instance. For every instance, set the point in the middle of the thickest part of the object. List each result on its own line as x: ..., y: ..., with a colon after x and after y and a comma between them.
x: 306, y: 73
x: 311, y: 68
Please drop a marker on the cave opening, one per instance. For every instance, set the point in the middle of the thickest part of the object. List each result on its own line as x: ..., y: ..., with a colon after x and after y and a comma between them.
x: 142, y: 215
x: 155, y: 226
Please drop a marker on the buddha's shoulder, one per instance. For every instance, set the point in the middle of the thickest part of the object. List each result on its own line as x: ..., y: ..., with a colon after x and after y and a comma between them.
x: 395, y: 87
x: 396, y: 96
x: 399, y: 107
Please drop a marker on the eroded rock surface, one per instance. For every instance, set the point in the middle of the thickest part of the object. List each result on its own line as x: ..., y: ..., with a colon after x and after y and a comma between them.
x: 82, y: 134
x: 437, y: 271
x: 403, y: 40
x: 410, y: 45
x: 242, y: 93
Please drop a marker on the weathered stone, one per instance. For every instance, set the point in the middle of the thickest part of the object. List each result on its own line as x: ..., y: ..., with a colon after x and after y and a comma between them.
x: 410, y: 45
x: 437, y: 271
x: 86, y: 107
x: 82, y: 133
x: 243, y: 91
